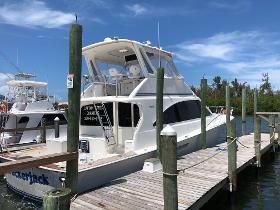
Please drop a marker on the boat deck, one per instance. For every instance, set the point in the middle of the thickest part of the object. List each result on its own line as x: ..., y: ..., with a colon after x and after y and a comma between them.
x: 206, y: 174
x: 37, y: 150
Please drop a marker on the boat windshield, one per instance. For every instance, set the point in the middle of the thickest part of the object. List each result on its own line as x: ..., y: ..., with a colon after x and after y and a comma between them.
x: 112, y: 71
x: 163, y: 60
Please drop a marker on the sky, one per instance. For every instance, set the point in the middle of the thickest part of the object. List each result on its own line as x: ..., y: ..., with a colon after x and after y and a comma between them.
x: 232, y: 39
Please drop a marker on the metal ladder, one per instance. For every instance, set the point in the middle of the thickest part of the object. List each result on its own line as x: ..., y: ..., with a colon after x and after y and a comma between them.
x: 105, y: 123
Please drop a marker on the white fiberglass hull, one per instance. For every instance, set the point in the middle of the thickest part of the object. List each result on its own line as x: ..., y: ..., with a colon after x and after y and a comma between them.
x: 34, y: 182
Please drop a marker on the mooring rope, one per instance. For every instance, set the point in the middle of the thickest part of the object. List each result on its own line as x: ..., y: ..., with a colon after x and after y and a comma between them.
x: 208, y: 158
x: 234, y: 139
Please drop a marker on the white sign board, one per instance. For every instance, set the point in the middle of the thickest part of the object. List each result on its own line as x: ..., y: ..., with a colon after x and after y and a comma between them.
x: 70, y: 78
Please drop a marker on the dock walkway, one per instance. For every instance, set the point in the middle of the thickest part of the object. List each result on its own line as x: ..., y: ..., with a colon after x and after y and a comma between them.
x: 205, y: 174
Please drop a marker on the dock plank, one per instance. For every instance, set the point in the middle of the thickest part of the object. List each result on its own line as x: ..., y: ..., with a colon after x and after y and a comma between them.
x: 203, y: 177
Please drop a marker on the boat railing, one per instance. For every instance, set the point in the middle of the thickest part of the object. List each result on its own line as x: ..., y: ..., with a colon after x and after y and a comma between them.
x: 119, y: 86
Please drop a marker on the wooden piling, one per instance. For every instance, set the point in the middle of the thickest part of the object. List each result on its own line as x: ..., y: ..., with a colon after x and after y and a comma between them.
x: 232, y: 157
x: 169, y: 167
x: 203, y: 85
x: 75, y: 66
x: 159, y: 108
x: 255, y: 104
x: 228, y: 109
x: 58, y: 199
x: 244, y: 125
x: 56, y: 127
x: 257, y: 140
x: 43, y: 131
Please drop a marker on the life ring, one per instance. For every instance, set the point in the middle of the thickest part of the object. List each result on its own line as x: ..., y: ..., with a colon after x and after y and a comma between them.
x: 3, y: 108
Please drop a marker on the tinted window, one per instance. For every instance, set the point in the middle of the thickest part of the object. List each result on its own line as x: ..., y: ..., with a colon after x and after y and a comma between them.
x: 125, y: 114
x: 23, y: 119
x: 182, y: 111
x: 136, y: 114
x: 90, y: 118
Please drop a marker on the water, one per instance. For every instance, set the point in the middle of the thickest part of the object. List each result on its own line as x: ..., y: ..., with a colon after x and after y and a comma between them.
x: 256, y: 189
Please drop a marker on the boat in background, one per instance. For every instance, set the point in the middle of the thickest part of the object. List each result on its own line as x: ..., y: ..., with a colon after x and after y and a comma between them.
x: 118, y: 118
x: 30, y: 104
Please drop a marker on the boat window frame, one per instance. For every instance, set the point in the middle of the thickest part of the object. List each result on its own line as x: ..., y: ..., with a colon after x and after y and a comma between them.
x: 178, y: 116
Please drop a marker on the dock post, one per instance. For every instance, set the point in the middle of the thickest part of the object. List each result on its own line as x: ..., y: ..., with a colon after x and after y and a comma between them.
x: 43, y: 131
x: 58, y: 199
x: 203, y: 85
x: 228, y: 109
x: 169, y: 167
x: 56, y: 127
x: 257, y: 139
x: 159, y: 108
x: 75, y: 66
x: 232, y: 157
x: 255, y: 104
x: 244, y: 125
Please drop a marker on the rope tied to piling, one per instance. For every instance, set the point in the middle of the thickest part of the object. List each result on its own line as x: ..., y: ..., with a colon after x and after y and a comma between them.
x: 212, y: 156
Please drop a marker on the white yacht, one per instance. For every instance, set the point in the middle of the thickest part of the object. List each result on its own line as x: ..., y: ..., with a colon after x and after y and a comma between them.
x: 30, y: 104
x: 118, y: 118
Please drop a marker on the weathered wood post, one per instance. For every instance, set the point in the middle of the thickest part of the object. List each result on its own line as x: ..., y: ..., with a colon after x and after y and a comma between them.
x: 255, y: 104
x: 244, y: 125
x: 75, y: 67
x: 169, y: 167
x: 232, y: 157
x: 159, y: 108
x: 203, y: 85
x: 228, y: 109
x: 56, y: 127
x: 58, y: 199
x: 257, y: 139
x: 43, y: 131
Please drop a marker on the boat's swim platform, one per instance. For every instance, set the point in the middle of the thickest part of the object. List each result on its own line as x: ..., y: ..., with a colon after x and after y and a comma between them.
x: 206, y: 172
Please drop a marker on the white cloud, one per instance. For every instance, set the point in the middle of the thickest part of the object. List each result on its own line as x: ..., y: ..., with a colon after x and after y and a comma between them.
x: 219, y: 51
x: 4, y: 78
x: 149, y: 10
x: 136, y: 9
x: 34, y: 13
x: 244, y: 55
x: 228, y: 5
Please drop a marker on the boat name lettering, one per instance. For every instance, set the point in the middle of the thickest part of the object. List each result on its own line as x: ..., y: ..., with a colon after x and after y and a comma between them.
x: 88, y: 108
x: 90, y: 118
x: 91, y: 113
x: 32, y: 178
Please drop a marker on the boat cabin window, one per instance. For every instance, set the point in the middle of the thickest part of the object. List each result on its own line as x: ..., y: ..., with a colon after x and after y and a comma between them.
x: 50, y: 119
x: 116, y: 63
x: 89, y: 115
x: 182, y: 111
x: 165, y: 62
x: 125, y: 117
x: 24, y: 119
x: 148, y: 67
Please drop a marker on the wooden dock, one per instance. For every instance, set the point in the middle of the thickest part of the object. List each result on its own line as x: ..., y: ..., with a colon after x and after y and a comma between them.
x: 206, y: 174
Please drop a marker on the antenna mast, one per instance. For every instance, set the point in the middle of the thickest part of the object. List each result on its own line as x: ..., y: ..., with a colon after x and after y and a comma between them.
x: 159, y: 62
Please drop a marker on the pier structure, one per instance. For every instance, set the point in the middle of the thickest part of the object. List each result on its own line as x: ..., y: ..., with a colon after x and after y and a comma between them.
x: 201, y: 175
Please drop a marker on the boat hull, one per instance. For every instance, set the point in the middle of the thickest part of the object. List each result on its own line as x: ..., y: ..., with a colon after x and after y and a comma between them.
x: 94, y: 177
